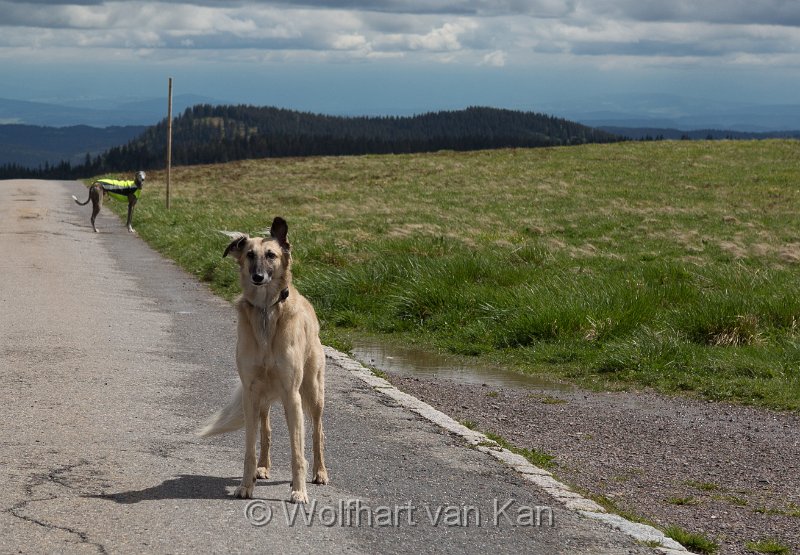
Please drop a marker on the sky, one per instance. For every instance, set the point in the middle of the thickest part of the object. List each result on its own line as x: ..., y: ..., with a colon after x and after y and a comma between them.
x: 402, y: 56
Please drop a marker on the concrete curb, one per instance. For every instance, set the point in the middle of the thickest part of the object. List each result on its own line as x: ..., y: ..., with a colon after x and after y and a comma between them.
x: 537, y: 476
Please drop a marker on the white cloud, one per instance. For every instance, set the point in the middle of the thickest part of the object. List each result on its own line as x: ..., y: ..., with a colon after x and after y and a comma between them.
x: 350, y: 42
x: 444, y: 38
x: 472, y: 32
x: 495, y: 59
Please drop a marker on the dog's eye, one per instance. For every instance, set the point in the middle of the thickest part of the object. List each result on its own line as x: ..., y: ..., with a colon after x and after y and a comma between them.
x: 271, y: 255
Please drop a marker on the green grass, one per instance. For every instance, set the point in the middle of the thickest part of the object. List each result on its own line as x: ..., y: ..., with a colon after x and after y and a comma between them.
x: 732, y: 499
x: 546, y: 399
x: 703, y: 486
x: 683, y: 501
x: 696, y: 543
x: 612, y: 507
x: 671, y: 265
x: 768, y: 546
x: 790, y: 510
x: 536, y: 458
x: 379, y: 373
x: 471, y: 424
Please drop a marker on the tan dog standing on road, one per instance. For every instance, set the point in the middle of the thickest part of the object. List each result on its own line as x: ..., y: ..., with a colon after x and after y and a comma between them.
x: 279, y: 358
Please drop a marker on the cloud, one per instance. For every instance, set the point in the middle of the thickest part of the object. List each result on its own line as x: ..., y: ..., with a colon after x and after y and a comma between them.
x: 739, y: 12
x: 495, y: 59
x: 350, y: 42
x: 444, y: 38
x: 509, y: 33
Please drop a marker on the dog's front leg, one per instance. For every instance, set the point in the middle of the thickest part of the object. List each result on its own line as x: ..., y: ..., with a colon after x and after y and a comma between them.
x: 250, y: 402
x: 264, y: 461
x: 131, y: 204
x: 293, y: 408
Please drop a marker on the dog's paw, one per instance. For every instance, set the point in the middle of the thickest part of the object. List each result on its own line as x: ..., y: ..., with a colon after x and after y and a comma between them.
x: 321, y: 477
x: 262, y: 473
x: 298, y: 497
x: 244, y: 492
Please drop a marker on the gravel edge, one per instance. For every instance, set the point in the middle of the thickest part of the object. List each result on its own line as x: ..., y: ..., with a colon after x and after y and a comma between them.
x: 537, y: 476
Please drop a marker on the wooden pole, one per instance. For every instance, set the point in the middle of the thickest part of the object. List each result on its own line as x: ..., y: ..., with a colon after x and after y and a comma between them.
x: 169, y: 139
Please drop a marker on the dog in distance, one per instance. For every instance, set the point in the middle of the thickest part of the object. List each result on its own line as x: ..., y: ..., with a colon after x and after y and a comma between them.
x: 129, y: 191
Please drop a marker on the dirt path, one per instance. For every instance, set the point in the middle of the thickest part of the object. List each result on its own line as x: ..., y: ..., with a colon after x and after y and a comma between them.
x: 731, y: 473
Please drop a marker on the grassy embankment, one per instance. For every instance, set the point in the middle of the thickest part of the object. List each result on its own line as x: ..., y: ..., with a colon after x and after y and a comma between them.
x: 673, y: 265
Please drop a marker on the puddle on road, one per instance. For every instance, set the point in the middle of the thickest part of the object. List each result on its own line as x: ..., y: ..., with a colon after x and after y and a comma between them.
x: 413, y: 362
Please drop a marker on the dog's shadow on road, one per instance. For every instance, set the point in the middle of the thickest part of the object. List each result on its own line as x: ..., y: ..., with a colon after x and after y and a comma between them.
x: 185, y: 486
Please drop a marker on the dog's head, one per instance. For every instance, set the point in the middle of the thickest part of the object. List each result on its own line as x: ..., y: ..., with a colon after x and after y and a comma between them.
x: 139, y: 178
x: 262, y: 259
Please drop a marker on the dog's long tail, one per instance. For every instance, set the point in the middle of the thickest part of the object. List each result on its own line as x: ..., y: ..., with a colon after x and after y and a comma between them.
x: 227, y: 419
x: 79, y: 202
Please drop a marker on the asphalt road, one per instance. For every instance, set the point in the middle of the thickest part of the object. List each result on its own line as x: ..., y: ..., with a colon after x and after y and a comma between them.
x: 110, y: 357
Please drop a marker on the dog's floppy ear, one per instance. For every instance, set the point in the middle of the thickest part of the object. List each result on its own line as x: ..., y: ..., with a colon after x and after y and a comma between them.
x: 278, y: 232
x: 236, y: 245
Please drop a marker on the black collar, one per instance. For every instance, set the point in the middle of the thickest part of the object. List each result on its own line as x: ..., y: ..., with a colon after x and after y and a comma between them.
x: 282, y: 297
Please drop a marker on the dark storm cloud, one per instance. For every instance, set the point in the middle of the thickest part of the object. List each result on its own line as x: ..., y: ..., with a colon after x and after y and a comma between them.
x: 737, y: 12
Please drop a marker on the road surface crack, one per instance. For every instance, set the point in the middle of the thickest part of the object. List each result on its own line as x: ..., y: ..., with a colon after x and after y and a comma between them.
x: 59, y: 476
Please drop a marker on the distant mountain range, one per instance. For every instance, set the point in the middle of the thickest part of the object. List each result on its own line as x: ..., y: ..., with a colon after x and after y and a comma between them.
x: 665, y: 111
x: 34, y: 134
x: 661, y: 111
x: 659, y: 133
x: 31, y: 146
x: 95, y: 113
x: 37, y: 133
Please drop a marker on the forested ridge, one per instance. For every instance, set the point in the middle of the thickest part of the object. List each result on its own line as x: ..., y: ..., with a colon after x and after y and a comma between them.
x: 212, y: 134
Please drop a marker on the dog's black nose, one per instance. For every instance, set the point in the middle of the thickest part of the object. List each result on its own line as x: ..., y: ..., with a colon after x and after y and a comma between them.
x: 258, y: 278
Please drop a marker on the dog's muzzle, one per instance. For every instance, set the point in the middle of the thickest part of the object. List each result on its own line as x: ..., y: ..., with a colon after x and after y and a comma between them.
x: 259, y: 279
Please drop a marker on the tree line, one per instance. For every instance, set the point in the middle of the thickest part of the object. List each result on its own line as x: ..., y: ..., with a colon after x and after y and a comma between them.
x: 206, y: 134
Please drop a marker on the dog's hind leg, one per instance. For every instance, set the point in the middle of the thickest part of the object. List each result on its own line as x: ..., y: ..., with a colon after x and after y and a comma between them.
x: 320, y: 472
x: 264, y: 461
x: 293, y: 409
x: 97, y: 200
x: 313, y: 391
x: 250, y: 404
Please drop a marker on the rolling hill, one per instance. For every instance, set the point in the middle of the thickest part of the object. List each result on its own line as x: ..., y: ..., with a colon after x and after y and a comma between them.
x: 206, y: 134
x: 209, y: 134
x: 31, y: 146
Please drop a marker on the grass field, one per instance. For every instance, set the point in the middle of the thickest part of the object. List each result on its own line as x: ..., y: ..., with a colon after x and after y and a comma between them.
x: 671, y: 265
